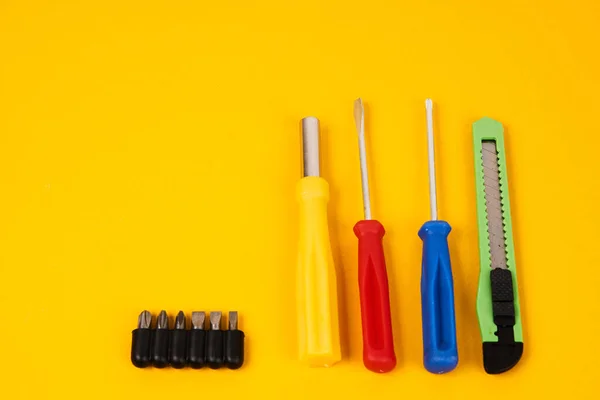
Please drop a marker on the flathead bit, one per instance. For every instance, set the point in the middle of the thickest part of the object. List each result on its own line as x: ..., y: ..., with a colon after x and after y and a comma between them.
x: 162, y: 322
x: 145, y: 320
x: 233, y: 320
x: 215, y: 320
x: 180, y: 320
x: 198, y: 318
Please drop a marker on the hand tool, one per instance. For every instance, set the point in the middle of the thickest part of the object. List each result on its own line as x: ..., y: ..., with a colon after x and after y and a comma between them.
x: 214, y: 342
x: 178, y: 343
x: 160, y: 341
x: 140, y: 341
x: 440, y: 353
x: 197, y: 341
x: 497, y: 296
x: 234, y: 343
x: 316, y: 292
x: 378, y: 340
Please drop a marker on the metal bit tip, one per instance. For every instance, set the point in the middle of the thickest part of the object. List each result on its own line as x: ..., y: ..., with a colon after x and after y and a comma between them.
x: 180, y: 320
x: 359, y: 118
x: 311, y: 146
x: 233, y: 320
x: 145, y: 320
x: 198, y: 318
x: 431, y: 160
x: 215, y: 320
x: 162, y: 322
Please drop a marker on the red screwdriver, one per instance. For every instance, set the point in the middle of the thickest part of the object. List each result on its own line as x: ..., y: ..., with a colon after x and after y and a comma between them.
x: 378, y: 343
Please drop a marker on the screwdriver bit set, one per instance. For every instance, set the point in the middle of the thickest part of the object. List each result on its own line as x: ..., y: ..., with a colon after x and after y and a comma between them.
x: 316, y: 285
x: 205, y: 344
x: 197, y: 347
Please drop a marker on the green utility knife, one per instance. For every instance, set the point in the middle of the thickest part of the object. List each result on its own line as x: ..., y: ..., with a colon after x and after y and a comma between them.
x: 497, y: 296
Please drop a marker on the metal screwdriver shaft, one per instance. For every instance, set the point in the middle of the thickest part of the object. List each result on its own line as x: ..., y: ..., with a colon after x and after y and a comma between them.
x: 311, y: 149
x: 359, y: 120
x: 378, y: 342
x: 440, y: 352
x: 431, y: 158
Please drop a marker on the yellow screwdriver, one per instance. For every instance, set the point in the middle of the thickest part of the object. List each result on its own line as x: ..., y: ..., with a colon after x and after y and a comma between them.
x: 316, y: 290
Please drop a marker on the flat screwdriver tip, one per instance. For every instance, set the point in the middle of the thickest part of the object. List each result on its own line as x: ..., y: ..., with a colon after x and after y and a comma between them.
x: 180, y: 320
x: 233, y: 320
x: 145, y: 320
x: 198, y: 318
x: 359, y: 116
x: 215, y: 320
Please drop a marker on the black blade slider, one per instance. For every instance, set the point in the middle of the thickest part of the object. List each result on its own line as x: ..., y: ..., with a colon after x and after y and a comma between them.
x: 141, y: 339
x: 234, y: 343
x: 504, y: 354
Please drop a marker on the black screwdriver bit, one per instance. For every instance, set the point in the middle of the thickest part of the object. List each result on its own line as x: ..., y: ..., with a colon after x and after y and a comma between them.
x: 160, y: 345
x: 140, y: 341
x: 234, y: 343
x: 214, y: 342
x: 178, y: 356
x: 197, y: 341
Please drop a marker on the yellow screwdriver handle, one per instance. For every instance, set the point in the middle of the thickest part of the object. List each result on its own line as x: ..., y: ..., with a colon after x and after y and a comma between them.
x: 317, y: 303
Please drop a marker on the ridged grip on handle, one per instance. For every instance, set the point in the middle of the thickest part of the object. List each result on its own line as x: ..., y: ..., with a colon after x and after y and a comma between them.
x: 440, y: 351
x: 378, y: 340
x: 316, y: 291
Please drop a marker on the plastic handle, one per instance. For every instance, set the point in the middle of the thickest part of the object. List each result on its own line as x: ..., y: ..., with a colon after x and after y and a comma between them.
x: 316, y: 296
x: 378, y: 340
x: 440, y: 353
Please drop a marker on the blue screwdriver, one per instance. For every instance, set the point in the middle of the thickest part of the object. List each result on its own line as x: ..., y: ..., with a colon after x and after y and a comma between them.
x: 440, y: 353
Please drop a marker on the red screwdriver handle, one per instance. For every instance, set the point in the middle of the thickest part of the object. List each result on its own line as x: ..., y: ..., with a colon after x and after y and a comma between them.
x: 378, y: 341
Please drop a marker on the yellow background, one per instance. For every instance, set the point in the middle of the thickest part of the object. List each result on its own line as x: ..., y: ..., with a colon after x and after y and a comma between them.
x: 149, y: 152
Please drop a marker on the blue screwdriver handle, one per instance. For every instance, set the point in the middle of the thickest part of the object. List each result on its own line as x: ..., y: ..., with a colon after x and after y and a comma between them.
x: 440, y: 353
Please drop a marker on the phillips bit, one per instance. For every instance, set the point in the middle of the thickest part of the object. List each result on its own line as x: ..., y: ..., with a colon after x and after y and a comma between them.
x: 197, y: 341
x: 234, y: 343
x: 160, y: 345
x: 145, y: 320
x: 140, y: 341
x: 214, y: 342
x: 180, y: 320
x: 178, y: 351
